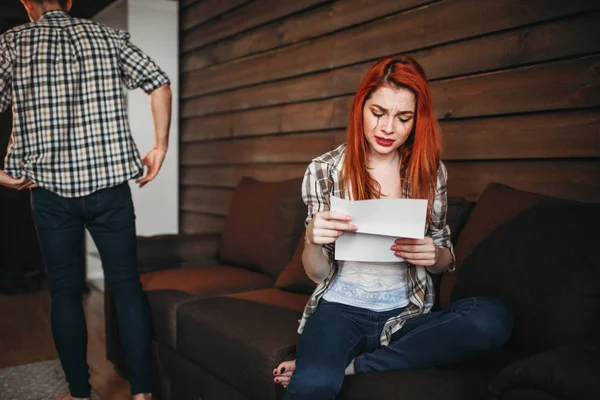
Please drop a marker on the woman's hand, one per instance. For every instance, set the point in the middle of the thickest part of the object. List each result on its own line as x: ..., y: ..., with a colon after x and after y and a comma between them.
x: 421, y: 252
x: 327, y: 226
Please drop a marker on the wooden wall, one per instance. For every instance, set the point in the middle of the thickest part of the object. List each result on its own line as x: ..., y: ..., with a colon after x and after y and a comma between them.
x: 267, y: 85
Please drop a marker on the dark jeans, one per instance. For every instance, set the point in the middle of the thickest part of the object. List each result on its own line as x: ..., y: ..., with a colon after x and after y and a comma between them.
x: 109, y: 217
x: 336, y: 334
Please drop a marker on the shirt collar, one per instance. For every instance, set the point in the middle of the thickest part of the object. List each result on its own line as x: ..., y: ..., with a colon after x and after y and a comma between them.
x: 54, y: 14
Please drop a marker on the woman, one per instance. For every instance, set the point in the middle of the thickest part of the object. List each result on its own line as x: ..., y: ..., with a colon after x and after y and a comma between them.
x: 367, y: 317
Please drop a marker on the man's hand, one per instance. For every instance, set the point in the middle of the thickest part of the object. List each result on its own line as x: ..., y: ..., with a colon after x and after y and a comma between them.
x: 17, y: 184
x: 153, y: 161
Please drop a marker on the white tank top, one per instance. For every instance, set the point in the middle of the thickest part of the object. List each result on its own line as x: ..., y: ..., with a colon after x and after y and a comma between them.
x: 376, y: 286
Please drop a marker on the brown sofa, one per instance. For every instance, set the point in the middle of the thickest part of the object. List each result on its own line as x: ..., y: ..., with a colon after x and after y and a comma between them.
x: 225, y: 308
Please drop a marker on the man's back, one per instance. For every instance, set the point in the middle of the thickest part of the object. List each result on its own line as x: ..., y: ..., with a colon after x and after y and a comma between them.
x: 70, y: 131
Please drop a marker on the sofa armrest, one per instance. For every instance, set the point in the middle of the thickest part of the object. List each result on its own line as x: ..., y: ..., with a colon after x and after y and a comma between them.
x: 176, y: 251
x: 569, y: 371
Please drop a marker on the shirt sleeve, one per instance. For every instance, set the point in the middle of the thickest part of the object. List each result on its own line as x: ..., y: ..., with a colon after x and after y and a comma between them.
x: 438, y: 229
x: 315, y: 194
x: 5, y: 75
x: 138, y: 69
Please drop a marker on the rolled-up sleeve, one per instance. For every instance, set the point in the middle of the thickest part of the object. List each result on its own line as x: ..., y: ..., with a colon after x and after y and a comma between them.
x: 138, y: 70
x: 438, y: 229
x: 315, y: 194
x: 5, y: 75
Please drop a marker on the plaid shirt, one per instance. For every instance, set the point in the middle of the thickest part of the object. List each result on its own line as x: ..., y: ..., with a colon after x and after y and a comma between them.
x: 321, y: 181
x: 64, y: 77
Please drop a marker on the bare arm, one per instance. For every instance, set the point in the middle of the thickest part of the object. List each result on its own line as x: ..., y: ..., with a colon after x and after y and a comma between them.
x: 160, y: 104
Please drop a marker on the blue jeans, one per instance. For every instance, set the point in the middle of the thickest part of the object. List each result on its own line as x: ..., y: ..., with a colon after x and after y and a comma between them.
x: 336, y: 334
x: 109, y: 217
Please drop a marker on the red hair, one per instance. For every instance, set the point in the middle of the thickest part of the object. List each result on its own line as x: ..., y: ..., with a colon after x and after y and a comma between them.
x: 422, y: 150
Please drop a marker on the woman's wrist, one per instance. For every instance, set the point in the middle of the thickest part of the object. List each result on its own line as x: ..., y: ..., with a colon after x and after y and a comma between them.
x: 161, y: 148
x: 443, y: 260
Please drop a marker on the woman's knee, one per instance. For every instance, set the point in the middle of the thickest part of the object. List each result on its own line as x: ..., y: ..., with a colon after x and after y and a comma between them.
x: 493, y: 321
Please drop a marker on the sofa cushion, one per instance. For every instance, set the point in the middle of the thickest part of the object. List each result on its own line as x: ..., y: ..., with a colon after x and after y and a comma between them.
x: 164, y: 305
x: 275, y: 297
x: 239, y: 341
x: 206, y: 281
x: 293, y: 278
x: 543, y: 264
x: 263, y: 225
x: 447, y: 384
x: 496, y: 205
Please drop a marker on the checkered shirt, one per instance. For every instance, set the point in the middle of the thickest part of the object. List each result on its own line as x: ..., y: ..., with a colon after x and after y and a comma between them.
x: 321, y: 181
x: 66, y: 79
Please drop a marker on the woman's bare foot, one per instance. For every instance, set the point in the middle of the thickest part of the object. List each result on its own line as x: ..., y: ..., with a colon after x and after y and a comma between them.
x: 283, y: 372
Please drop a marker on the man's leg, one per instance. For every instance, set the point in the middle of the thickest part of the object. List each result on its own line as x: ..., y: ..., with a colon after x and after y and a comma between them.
x: 111, y: 222
x: 333, y: 336
x: 60, y: 235
x: 467, y: 328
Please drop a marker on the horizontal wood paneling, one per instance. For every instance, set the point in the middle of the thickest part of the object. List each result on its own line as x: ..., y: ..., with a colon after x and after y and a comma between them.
x: 250, y: 15
x: 229, y: 176
x: 207, y: 9
x: 574, y: 179
x: 192, y: 222
x: 268, y: 86
x: 548, y: 135
x: 271, y: 149
x: 571, y: 134
x: 562, y: 84
x: 442, y: 22
x: 556, y: 39
x: 337, y: 14
x: 206, y: 200
x: 570, y: 179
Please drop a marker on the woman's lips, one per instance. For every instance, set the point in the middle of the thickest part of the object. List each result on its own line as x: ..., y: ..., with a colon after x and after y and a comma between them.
x: 384, y: 142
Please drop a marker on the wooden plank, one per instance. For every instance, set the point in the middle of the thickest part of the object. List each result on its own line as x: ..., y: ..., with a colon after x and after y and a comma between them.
x: 301, y: 147
x: 253, y: 14
x: 316, y: 22
x: 318, y: 115
x: 205, y: 200
x: 549, y: 135
x: 570, y: 179
x: 205, y: 10
x: 442, y: 22
x: 192, y: 222
x: 229, y: 176
x: 569, y: 37
x: 558, y: 85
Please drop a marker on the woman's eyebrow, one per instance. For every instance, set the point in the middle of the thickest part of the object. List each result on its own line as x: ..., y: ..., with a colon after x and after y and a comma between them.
x: 398, y: 113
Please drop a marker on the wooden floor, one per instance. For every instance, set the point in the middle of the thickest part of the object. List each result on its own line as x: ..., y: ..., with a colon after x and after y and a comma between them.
x: 25, y: 338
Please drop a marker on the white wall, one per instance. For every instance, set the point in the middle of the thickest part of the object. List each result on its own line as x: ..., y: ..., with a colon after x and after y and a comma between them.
x: 153, y: 25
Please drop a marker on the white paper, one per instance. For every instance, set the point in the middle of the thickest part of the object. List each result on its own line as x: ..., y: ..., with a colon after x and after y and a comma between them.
x: 379, y: 222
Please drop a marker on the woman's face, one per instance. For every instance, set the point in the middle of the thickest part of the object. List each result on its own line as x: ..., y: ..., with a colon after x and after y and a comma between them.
x: 388, y: 119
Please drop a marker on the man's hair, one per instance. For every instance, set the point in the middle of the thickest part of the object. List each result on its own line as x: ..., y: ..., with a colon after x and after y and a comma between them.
x: 63, y: 3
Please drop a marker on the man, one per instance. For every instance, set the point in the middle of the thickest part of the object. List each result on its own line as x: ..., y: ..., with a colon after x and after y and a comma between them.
x: 71, y: 145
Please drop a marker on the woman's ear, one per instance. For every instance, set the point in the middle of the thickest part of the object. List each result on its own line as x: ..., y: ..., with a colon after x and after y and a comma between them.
x: 69, y: 5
